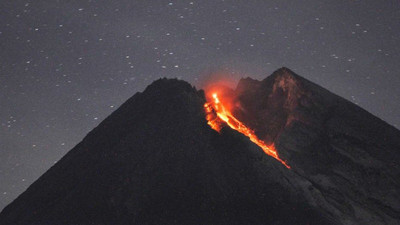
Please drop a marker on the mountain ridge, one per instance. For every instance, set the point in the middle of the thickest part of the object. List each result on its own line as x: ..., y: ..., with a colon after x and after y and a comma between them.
x: 155, y: 160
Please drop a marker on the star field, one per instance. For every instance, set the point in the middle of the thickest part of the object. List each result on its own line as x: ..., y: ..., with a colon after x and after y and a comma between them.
x: 66, y: 65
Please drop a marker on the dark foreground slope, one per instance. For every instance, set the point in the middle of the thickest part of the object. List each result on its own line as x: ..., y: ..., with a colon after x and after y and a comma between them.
x: 156, y: 161
x: 349, y: 158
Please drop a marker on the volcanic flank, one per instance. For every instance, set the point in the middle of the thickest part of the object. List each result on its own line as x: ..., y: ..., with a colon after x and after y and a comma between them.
x: 176, y: 155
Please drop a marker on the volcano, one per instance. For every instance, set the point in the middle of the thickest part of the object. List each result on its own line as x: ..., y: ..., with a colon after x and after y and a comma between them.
x: 169, y: 156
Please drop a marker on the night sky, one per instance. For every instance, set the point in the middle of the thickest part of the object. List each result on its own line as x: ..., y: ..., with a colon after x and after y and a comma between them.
x: 66, y: 65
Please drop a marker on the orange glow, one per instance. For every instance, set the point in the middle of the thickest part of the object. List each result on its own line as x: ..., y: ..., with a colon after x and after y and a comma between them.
x: 217, y: 115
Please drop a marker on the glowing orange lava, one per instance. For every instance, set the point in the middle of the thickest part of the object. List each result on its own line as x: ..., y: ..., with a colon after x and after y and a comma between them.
x: 217, y: 114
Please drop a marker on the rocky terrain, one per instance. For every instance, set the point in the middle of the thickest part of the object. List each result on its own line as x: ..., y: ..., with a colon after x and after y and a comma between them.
x: 347, y: 158
x: 156, y: 161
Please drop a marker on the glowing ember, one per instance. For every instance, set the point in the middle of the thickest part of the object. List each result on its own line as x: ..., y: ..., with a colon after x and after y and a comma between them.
x: 217, y: 115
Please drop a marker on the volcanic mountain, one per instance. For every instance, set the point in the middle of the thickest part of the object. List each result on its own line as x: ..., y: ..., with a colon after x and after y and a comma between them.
x: 171, y: 155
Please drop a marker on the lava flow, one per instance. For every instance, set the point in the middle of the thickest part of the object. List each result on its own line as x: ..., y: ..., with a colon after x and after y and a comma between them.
x: 217, y: 114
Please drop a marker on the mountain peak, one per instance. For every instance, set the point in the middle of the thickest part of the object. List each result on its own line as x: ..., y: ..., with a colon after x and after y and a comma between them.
x: 174, y: 84
x: 284, y: 72
x: 311, y: 126
x: 282, y: 78
x: 156, y: 161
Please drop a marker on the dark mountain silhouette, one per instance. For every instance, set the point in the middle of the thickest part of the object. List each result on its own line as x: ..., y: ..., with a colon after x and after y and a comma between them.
x: 156, y: 161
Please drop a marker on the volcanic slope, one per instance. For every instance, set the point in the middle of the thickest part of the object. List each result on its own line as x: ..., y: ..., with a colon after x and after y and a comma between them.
x: 349, y: 157
x: 156, y: 161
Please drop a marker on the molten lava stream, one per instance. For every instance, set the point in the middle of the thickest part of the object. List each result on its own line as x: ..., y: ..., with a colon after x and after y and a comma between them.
x: 216, y: 113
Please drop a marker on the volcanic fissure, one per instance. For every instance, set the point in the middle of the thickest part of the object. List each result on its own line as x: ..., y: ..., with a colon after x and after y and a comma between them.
x: 218, y: 115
